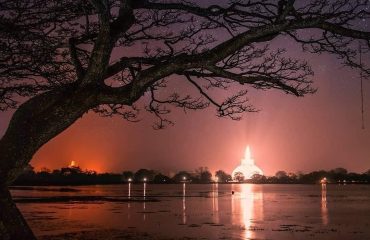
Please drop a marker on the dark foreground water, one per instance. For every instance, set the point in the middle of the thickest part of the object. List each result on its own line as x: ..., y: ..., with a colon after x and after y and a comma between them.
x: 198, y: 211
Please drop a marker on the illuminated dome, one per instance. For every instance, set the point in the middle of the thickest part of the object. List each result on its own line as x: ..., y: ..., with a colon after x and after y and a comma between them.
x: 247, y: 167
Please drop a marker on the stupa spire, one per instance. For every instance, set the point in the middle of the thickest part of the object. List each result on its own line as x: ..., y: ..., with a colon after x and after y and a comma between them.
x: 247, y: 160
x: 248, y: 153
x: 247, y: 167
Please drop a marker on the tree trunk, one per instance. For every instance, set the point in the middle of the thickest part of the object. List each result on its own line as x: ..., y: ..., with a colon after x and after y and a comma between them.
x: 12, y: 224
x: 32, y: 125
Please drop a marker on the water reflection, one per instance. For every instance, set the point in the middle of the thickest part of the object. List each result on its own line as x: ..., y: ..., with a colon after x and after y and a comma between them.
x: 128, y: 203
x: 246, y: 207
x: 216, y: 216
x: 324, y: 207
x: 129, y: 190
x: 144, y: 206
x: 188, y: 203
x: 247, y: 203
x: 144, y: 191
x: 183, y: 203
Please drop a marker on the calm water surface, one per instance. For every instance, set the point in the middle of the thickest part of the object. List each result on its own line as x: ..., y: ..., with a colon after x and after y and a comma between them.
x: 208, y: 211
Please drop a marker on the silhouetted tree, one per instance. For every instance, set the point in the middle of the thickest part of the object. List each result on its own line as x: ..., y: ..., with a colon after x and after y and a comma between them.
x: 238, y: 176
x: 314, y: 177
x: 160, y: 178
x: 59, y: 177
x: 258, y: 178
x: 67, y: 176
x: 284, y: 177
x: 281, y: 174
x: 144, y: 173
x: 341, y: 171
x: 223, y: 176
x: 292, y: 177
x: 338, y: 174
x: 205, y: 177
x: 28, y: 174
x: 126, y: 175
x: 56, y: 57
x: 71, y: 171
x: 29, y: 169
x: 202, y: 175
x: 182, y: 176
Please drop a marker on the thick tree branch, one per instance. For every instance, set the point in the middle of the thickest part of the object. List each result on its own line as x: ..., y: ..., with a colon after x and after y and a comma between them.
x: 343, y: 31
x: 76, y: 62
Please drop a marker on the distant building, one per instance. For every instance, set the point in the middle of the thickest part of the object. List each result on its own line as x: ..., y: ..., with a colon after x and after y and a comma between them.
x: 71, y: 169
x: 247, y: 168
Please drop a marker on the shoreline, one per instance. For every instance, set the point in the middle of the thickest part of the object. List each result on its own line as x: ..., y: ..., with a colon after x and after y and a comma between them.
x: 34, y: 186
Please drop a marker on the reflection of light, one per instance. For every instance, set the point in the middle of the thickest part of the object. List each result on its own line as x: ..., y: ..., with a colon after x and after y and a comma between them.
x: 246, y: 207
x: 144, y: 194
x: 324, y: 207
x: 246, y: 201
x: 183, y: 190
x: 128, y: 211
x: 183, y: 203
x: 144, y: 191
x: 215, y: 203
x: 129, y: 196
x: 215, y: 197
x: 129, y: 190
x: 128, y: 203
x: 144, y: 215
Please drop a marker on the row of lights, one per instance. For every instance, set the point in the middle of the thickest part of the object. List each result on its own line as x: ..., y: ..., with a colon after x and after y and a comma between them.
x: 130, y: 180
x: 216, y: 179
x: 183, y: 178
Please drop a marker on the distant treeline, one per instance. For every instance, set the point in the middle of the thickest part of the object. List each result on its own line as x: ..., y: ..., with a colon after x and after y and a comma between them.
x: 337, y: 175
x: 76, y: 176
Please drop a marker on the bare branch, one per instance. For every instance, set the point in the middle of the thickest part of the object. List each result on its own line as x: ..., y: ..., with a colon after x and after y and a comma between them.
x: 118, y: 50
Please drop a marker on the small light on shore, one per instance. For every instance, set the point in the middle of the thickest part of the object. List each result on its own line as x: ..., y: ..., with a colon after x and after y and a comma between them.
x: 324, y: 181
x: 144, y: 179
x: 130, y: 179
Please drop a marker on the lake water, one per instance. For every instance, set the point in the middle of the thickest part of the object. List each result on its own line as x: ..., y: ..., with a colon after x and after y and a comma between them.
x: 208, y: 211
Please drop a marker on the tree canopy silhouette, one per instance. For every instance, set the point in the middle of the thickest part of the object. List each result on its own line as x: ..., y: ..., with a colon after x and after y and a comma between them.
x: 60, y: 59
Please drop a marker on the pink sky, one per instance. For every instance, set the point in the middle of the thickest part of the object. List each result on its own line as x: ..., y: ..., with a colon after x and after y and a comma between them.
x: 320, y: 131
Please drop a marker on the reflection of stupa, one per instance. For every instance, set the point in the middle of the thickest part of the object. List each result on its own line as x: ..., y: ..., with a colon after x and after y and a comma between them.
x: 247, y: 168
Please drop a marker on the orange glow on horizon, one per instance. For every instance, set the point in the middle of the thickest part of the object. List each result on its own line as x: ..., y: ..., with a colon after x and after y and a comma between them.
x: 92, y: 165
x: 80, y: 145
x: 113, y: 145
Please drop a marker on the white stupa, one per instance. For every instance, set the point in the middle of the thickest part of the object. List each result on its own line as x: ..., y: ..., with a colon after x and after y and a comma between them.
x: 247, y: 167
